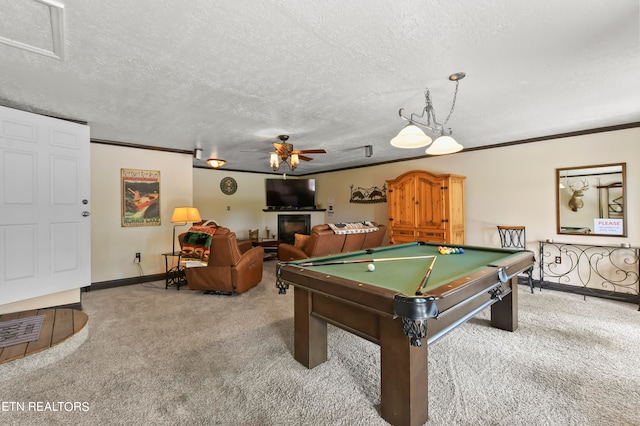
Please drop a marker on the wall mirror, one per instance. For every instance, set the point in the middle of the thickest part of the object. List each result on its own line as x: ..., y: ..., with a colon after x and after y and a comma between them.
x: 590, y: 200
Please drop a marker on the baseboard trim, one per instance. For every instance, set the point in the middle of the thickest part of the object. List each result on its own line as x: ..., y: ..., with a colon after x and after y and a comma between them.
x: 124, y: 281
x: 592, y: 292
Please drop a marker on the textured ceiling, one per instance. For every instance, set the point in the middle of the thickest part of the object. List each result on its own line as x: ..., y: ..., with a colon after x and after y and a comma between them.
x: 230, y: 76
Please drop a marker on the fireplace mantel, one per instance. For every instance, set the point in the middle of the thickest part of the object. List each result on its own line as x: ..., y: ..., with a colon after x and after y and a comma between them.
x: 293, y: 210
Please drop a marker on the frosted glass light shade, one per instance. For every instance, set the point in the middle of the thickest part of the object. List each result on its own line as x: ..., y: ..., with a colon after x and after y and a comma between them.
x: 274, y: 162
x: 444, y: 145
x: 215, y: 163
x: 411, y: 137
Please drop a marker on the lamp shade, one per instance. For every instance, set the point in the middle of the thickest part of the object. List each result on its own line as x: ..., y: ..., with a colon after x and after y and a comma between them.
x: 411, y: 137
x: 185, y: 214
x: 444, y: 145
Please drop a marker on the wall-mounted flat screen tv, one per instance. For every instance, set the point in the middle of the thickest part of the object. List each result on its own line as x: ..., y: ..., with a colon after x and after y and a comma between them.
x: 291, y: 193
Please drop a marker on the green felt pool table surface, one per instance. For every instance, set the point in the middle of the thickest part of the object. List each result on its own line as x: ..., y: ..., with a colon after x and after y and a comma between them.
x: 404, y: 276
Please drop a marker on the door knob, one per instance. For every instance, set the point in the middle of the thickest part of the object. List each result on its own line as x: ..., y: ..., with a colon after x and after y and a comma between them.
x: 85, y: 214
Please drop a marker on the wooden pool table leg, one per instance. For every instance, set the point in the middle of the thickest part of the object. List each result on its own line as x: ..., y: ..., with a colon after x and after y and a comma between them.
x: 310, y: 332
x: 403, y: 376
x: 504, y: 314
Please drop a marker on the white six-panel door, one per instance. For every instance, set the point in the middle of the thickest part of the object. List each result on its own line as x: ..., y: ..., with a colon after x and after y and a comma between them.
x: 45, y: 241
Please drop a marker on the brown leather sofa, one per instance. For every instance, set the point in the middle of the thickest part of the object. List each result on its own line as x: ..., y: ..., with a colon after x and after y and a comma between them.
x: 228, y: 271
x: 323, y: 241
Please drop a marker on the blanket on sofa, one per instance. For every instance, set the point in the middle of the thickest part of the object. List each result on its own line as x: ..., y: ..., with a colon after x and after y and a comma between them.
x: 353, y: 227
x: 197, y: 243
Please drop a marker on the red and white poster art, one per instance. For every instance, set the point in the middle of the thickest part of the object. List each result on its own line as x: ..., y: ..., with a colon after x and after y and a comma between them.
x: 140, y: 197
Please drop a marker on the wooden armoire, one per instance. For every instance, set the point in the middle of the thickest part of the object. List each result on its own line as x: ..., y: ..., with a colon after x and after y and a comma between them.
x: 426, y: 207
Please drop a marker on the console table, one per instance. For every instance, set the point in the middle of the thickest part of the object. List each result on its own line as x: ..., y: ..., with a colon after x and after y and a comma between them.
x: 611, y: 272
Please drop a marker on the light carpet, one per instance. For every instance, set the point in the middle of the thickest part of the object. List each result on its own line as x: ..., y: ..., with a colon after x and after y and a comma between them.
x: 167, y: 357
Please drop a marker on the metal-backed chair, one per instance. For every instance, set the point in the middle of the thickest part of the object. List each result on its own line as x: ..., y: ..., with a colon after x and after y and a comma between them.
x: 514, y: 237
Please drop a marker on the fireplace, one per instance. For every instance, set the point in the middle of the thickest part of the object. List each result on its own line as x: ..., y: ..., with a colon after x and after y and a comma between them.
x: 291, y: 224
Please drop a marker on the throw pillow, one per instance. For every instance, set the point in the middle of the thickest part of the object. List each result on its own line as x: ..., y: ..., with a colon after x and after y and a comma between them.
x: 301, y: 241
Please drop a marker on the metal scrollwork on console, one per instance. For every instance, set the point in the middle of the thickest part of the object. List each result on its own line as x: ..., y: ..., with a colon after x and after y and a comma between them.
x: 604, y: 271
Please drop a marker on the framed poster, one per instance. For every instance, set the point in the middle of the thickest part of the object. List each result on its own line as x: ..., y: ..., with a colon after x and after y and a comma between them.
x: 140, y: 197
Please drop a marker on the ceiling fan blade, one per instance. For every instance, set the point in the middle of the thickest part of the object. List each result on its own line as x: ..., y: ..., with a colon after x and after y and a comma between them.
x: 282, y: 148
x: 310, y: 151
x: 304, y: 158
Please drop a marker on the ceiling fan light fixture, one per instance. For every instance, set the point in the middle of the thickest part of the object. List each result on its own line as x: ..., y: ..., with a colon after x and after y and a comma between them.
x: 285, y: 154
x: 294, y: 161
x: 444, y: 145
x: 215, y: 163
x: 411, y: 137
x: 274, y: 161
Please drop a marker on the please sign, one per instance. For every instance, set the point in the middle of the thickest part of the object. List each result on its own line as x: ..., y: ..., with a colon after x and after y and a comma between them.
x: 608, y: 226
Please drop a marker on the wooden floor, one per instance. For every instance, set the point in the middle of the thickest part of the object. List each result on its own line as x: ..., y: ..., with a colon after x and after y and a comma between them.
x: 57, y: 326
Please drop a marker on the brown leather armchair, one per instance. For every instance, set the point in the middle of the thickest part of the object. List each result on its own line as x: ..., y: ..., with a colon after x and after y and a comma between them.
x: 228, y: 271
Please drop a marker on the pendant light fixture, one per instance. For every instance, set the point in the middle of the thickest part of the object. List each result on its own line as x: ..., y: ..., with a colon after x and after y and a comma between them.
x: 412, y: 136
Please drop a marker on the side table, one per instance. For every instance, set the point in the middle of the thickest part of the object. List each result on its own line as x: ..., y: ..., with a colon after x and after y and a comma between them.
x: 174, y: 275
x: 270, y: 247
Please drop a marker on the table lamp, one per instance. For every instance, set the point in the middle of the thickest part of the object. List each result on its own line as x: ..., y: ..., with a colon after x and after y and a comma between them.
x: 182, y: 215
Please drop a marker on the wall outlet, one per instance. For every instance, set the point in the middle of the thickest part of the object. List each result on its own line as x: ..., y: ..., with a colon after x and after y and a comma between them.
x: 558, y: 259
x: 138, y: 258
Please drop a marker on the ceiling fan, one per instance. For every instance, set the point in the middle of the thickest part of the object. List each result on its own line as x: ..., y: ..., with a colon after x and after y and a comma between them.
x: 284, y: 153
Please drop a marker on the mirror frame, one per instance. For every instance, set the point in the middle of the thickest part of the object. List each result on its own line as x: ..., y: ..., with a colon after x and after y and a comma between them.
x: 559, y: 227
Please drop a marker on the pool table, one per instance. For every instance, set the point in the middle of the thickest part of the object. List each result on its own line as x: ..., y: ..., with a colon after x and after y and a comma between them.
x: 387, y: 307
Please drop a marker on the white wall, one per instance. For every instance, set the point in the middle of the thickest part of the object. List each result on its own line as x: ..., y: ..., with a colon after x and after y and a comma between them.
x: 113, y: 246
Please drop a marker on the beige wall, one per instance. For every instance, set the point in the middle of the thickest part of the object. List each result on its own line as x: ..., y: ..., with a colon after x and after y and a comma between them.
x: 240, y: 211
x: 243, y: 210
x: 514, y: 185
x: 113, y: 247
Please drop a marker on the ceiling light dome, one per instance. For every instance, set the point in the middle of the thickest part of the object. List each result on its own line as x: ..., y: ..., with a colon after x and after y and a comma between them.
x: 216, y: 163
x: 411, y: 137
x: 444, y: 145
